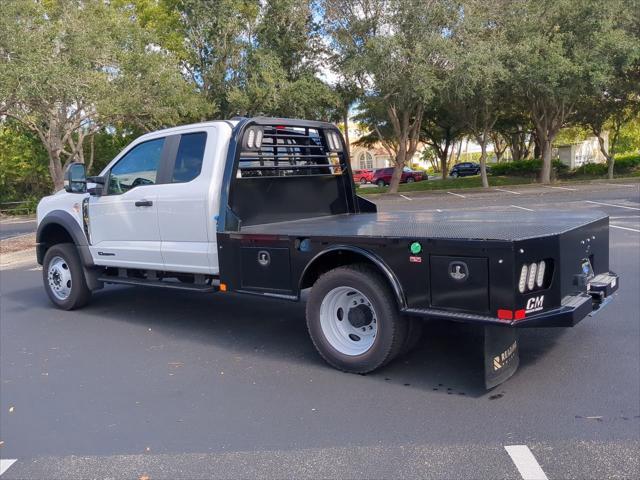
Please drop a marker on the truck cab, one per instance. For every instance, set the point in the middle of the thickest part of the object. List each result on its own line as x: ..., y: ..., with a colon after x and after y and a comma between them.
x: 267, y: 206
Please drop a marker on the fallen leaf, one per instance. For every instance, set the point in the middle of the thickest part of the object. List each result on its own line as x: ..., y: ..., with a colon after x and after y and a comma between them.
x: 1, y: 443
x: 144, y: 477
x: 147, y: 449
x: 11, y: 409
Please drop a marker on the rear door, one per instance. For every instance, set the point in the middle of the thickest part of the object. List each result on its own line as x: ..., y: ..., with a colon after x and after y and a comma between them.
x: 184, y: 205
x: 123, y: 222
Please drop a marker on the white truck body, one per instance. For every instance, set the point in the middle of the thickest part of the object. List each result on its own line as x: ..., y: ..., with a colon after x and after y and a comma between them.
x: 177, y: 232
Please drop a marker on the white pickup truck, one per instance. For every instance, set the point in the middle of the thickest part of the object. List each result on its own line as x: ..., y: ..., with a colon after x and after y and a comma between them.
x: 267, y: 206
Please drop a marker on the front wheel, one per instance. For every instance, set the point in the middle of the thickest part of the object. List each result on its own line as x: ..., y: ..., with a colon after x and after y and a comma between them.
x: 381, y: 183
x: 363, y: 181
x: 454, y: 175
x: 63, y: 277
x: 353, y: 319
x: 411, y: 180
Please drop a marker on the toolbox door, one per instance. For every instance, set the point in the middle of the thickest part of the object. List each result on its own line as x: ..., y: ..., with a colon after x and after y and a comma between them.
x: 265, y: 269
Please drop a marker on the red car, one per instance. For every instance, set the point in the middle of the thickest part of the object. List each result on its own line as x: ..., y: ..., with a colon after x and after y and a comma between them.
x: 382, y: 176
x: 362, y: 176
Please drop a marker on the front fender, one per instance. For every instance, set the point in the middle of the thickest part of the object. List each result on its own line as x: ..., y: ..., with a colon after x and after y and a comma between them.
x: 71, y: 226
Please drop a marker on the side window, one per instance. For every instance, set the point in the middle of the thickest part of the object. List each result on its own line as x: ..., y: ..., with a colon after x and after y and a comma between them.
x: 138, y: 167
x: 189, y: 157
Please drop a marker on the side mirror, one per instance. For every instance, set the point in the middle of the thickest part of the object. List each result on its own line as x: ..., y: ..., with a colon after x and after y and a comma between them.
x: 75, y: 178
x: 99, y: 185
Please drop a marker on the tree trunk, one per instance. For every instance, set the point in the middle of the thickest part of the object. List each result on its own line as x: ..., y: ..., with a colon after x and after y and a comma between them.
x: 55, y: 169
x: 482, y: 140
x: 345, y: 121
x: 397, y: 170
x: 444, y: 156
x: 607, y: 155
x: 545, y: 146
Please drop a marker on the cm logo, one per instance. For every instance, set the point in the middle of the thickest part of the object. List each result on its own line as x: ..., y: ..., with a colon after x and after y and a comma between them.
x: 535, y: 303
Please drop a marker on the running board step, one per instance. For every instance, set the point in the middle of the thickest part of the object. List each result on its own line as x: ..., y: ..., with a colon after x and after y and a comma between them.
x: 159, y: 283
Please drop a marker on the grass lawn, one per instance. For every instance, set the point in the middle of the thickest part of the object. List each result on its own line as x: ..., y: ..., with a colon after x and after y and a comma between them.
x: 449, y: 184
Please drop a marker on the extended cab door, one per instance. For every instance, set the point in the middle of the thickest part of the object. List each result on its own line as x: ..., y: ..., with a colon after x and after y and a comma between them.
x: 123, y: 222
x: 188, y: 202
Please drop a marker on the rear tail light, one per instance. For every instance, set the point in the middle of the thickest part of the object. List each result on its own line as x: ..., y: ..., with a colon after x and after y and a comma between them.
x: 540, y: 277
x: 522, y: 285
x: 533, y: 268
x: 532, y: 276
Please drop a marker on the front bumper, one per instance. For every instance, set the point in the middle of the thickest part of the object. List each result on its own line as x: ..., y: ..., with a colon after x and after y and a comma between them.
x: 573, y: 309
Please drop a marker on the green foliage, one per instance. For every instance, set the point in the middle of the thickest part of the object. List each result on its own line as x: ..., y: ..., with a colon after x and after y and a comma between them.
x: 525, y: 168
x: 23, y: 164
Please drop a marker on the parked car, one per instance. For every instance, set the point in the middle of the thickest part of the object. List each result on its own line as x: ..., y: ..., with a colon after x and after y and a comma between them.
x: 362, y: 176
x: 382, y: 176
x: 465, y: 169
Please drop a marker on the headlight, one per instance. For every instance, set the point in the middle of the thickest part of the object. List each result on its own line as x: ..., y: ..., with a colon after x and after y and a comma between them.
x: 532, y: 276
x: 540, y: 277
x: 523, y: 278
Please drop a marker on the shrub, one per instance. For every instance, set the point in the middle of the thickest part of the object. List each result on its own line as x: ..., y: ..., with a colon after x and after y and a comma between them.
x: 526, y: 168
x: 627, y: 163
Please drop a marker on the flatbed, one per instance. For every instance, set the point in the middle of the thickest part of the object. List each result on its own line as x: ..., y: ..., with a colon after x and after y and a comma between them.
x: 268, y: 206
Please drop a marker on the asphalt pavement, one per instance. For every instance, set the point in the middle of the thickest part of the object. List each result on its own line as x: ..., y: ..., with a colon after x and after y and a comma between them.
x: 14, y: 227
x: 164, y: 384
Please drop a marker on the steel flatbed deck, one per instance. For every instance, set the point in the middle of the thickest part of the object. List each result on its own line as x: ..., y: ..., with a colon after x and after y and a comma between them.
x: 458, y: 225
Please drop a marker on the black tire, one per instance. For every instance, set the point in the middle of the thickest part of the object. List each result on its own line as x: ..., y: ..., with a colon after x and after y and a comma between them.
x: 414, y: 335
x: 363, y: 181
x: 392, y: 326
x: 80, y: 293
x: 410, y: 179
x: 381, y: 183
x: 454, y: 174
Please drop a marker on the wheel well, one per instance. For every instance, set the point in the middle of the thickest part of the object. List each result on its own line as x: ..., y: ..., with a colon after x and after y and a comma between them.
x: 52, y: 234
x: 339, y: 258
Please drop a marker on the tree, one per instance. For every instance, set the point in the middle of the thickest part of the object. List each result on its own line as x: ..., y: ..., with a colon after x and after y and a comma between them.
x: 614, y: 99
x: 480, y: 75
x: 554, y: 46
x: 77, y: 66
x: 393, y: 49
x: 443, y: 125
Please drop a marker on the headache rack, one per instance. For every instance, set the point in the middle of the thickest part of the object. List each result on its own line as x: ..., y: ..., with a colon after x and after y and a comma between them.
x: 286, y: 151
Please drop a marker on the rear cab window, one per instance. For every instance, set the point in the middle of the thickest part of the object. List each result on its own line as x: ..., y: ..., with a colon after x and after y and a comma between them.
x: 189, y: 157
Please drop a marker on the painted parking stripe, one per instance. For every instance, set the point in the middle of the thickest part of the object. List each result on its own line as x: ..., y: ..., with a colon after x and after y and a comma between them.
x: 560, y: 188
x: 456, y: 194
x: 5, y: 463
x: 508, y: 191
x: 405, y: 197
x: 612, y: 205
x: 525, y: 462
x: 522, y: 208
x: 625, y: 228
x: 621, y: 185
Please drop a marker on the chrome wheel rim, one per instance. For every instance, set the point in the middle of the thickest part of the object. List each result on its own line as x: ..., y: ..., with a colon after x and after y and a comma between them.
x: 348, y: 321
x: 59, y: 278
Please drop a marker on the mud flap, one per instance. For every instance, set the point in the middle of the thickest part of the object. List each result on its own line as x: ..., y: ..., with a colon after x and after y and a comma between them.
x: 501, y: 357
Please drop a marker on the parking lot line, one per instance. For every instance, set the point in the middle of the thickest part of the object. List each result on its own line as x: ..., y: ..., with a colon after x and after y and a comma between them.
x: 525, y: 462
x: 405, y: 197
x: 625, y: 228
x: 560, y: 188
x: 621, y: 185
x: 456, y: 194
x: 5, y: 463
x: 522, y: 208
x: 612, y: 205
x: 508, y: 191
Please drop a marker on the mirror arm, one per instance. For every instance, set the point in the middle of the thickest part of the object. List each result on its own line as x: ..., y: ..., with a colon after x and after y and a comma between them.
x: 97, y: 179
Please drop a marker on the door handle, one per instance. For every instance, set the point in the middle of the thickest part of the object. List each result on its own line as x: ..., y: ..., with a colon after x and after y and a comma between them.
x: 144, y: 203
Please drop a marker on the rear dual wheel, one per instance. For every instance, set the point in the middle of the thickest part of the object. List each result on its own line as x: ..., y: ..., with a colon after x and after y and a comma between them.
x: 353, y: 319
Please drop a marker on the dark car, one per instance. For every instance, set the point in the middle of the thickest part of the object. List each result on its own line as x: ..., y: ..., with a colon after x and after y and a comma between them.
x: 362, y: 176
x: 465, y: 169
x: 382, y: 176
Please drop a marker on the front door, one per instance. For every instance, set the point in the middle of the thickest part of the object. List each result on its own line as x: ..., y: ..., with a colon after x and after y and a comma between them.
x: 123, y: 222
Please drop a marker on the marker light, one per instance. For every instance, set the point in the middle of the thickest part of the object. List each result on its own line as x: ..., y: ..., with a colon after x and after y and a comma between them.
x: 523, y: 279
x: 251, y: 138
x: 540, y: 277
x: 533, y: 268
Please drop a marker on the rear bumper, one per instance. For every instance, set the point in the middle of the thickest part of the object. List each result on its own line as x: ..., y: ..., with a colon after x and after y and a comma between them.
x: 574, y: 308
